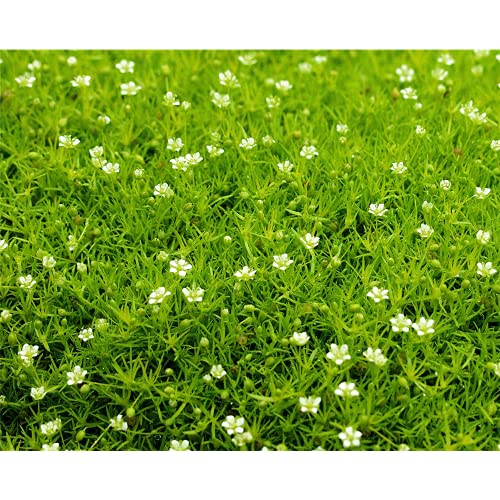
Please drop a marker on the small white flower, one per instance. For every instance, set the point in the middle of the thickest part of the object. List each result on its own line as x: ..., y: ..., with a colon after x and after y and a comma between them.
x: 419, y: 130
x: 299, y: 339
x: 234, y: 425
x: 439, y: 74
x: 66, y: 141
x: 96, y: 152
x: 342, y: 128
x: 221, y: 100
x: 101, y: 324
x: 111, y: 168
x: 247, y: 59
x: 130, y: 88
x: 157, y: 296
x: 273, y: 102
x: 375, y: 356
x: 319, y: 59
x: 480, y: 54
x: 283, y: 86
x: 427, y: 206
x: 446, y: 59
x: 118, y: 424
x: 242, y: 439
x: 308, y: 152
x: 482, y: 193
x: 485, y: 269
x: 193, y: 294
x: 445, y: 185
x: 179, y: 163
x: 495, y: 145
x: 81, y: 81
x: 217, y: 371
x: 207, y: 378
x: 3, y: 245
x: 399, y: 168
x: 214, y: 151
x: 285, y: 167
x: 51, y: 428
x: 26, y: 281
x: 5, y: 316
x: 245, y: 273
x: 180, y: 267
x: 125, y: 66
x: 350, y: 437
x: 28, y: 353
x: 76, y: 376
x: 282, y: 262
x: 71, y: 61
x: 26, y: 80
x: 38, y: 393
x: 267, y: 140
x: 227, y: 79
x: 72, y: 243
x: 163, y: 190
x: 50, y: 447
x: 138, y: 172
x: 347, y: 390
x: 185, y: 105
x: 175, y: 144
x: 405, y: 73
x: 425, y: 230
x: 305, y: 67
x: 309, y: 404
x: 338, y: 354
x: 483, y: 237
x: 401, y: 323
x: 248, y: 143
x: 377, y: 294
x: 478, y: 118
x: 193, y: 159
x: 377, y: 209
x: 423, y: 326
x: 81, y: 267
x: 49, y: 262
x: 86, y: 334
x: 179, y: 446
x: 104, y: 120
x: 409, y: 93
x: 310, y: 241
x: 496, y: 371
x: 170, y: 99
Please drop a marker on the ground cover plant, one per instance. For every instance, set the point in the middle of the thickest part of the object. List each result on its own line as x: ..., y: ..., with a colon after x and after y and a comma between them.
x: 280, y: 250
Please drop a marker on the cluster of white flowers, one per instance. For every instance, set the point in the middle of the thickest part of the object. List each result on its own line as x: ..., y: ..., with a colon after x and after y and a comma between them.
x: 473, y: 113
x: 235, y: 427
x: 375, y: 356
x: 51, y: 428
x: 184, y: 162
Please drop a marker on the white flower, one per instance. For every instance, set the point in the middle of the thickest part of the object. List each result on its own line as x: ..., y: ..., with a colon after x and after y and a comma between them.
x: 163, y: 190
x: 157, y: 296
x: 86, y: 334
x: 98, y: 162
x: 76, y: 376
x: 409, y: 93
x: 445, y: 185
x: 281, y: 262
x: 478, y: 118
x: 81, y: 267
x: 179, y: 163
x: 49, y: 262
x: 104, y: 120
x: 405, y: 73
x: 175, y: 144
x: 350, y: 437
x: 138, y: 172
x: 310, y: 241
x: 285, y: 167
x: 377, y: 294
x: 3, y: 245
x: 338, y: 354
x: 170, y: 99
x: 221, y: 100
x: 81, y: 81
x: 375, y: 356
x: 27, y: 353
x: 248, y: 143
x: 247, y: 59
x: 305, y: 67
x: 299, y: 339
x: 377, y: 209
x: 399, y: 168
x: 38, y: 393
x: 180, y: 267
x: 193, y: 159
x: 111, y: 168
x: 427, y: 206
x: 214, y: 150
x: 273, y: 102
x: 482, y: 193
x: 267, y: 140
x: 50, y: 447
x: 423, y: 326
x: 72, y: 243
x: 234, y: 425
x: 419, y: 130
x: 400, y: 323
x: 483, y: 236
x: 217, y: 371
x: 207, y: 378
x: 51, y: 428
x: 439, y: 74
x: 283, y: 86
x: 242, y: 439
x: 342, y: 128
x: 96, y: 152
x: 495, y: 145
x: 193, y: 294
x: 26, y: 80
x: 496, y: 371
x: 66, y: 141
x: 125, y: 66
x: 425, y: 230
x: 227, y: 79
x: 309, y: 404
x: 26, y: 281
x: 319, y: 59
x: 71, y: 61
x: 245, y: 273
x: 5, y: 316
x: 347, y: 390
x: 118, y: 424
x: 485, y: 269
x: 446, y: 59
x: 480, y: 54
x: 101, y: 324
x: 130, y: 88
x: 308, y: 152
x: 185, y: 105
x: 179, y: 446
